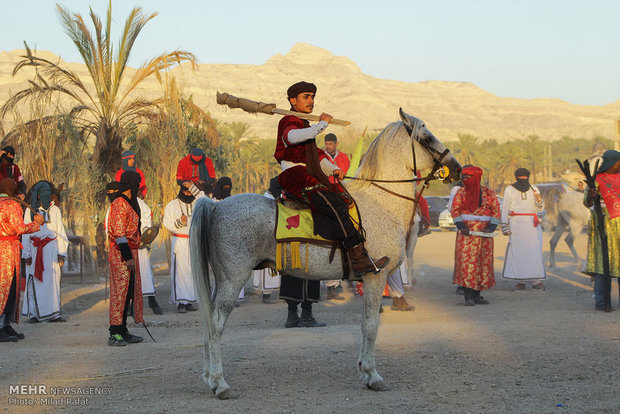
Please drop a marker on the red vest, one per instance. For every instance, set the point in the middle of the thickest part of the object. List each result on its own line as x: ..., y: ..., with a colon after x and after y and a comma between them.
x: 294, y: 180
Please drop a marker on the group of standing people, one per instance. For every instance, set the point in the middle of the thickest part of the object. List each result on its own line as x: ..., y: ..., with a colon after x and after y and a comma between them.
x: 131, y: 275
x: 477, y: 214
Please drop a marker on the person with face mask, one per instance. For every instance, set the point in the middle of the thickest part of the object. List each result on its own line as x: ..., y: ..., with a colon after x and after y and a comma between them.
x: 8, y: 169
x: 524, y: 259
x: 198, y: 169
x: 128, y: 163
x: 11, y: 228
x: 177, y: 219
x: 124, y: 240
x: 474, y: 208
x: 608, y: 189
x: 44, y: 254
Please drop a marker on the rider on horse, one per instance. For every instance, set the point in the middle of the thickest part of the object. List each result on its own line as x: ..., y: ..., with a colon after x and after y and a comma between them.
x: 303, y: 177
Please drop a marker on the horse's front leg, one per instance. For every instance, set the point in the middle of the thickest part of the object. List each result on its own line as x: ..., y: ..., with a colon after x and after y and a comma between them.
x: 367, y: 365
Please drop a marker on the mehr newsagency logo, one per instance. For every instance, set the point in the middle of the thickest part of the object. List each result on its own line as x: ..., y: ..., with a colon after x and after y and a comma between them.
x: 40, y: 394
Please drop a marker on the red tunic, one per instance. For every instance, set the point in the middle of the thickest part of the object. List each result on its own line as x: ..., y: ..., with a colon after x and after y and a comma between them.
x: 11, y: 228
x: 123, y: 222
x: 341, y: 160
x: 17, y: 176
x: 609, y: 187
x: 295, y: 180
x: 188, y: 171
x: 120, y: 172
x: 473, y: 255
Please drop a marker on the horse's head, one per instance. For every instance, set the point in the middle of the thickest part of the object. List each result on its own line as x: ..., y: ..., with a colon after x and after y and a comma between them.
x: 428, y: 149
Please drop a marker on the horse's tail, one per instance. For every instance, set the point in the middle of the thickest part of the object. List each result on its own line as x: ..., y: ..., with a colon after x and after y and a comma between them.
x: 199, y: 254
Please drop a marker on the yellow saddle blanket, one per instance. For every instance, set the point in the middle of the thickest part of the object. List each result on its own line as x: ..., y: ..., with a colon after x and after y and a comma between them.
x: 295, y: 226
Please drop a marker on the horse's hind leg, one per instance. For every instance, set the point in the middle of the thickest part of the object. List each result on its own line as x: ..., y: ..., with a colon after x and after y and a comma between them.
x: 559, y: 229
x: 570, y: 239
x: 367, y: 365
x: 227, y: 294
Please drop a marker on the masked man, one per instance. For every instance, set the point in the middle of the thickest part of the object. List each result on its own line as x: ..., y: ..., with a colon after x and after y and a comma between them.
x: 128, y: 163
x: 124, y: 239
x: 474, y: 208
x: 197, y: 168
x: 44, y: 254
x: 11, y: 228
x: 8, y: 169
x: 524, y: 258
x: 304, y: 169
x: 177, y: 219
x: 608, y: 187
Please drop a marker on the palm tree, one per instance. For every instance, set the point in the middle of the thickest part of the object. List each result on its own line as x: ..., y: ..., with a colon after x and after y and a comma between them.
x: 110, y: 109
x: 534, y: 153
x: 468, y: 145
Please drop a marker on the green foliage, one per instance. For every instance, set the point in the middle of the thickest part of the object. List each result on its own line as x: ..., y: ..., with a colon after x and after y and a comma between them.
x: 547, y: 161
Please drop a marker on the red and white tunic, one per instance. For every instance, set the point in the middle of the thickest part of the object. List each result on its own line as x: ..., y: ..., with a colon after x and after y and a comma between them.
x: 293, y: 135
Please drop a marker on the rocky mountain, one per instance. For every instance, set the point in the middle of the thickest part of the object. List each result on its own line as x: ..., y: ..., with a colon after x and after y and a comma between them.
x: 448, y: 108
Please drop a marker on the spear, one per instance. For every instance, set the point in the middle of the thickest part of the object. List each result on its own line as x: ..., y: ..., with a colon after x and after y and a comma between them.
x: 256, y: 107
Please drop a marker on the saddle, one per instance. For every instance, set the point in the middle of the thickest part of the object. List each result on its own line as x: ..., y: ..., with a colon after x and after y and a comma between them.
x: 297, y: 225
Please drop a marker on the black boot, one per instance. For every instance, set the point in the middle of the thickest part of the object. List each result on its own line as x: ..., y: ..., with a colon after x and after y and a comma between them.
x: 292, y: 321
x: 155, y: 306
x: 479, y: 300
x: 469, y: 296
x: 307, y: 320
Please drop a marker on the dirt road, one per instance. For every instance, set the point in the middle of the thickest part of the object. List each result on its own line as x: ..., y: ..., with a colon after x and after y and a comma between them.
x: 526, y: 352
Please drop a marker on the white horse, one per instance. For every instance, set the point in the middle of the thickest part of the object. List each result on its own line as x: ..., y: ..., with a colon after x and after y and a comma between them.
x: 236, y: 235
x: 565, y: 211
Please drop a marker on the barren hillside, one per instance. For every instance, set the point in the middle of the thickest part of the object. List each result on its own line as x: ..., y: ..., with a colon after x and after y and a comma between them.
x: 448, y: 108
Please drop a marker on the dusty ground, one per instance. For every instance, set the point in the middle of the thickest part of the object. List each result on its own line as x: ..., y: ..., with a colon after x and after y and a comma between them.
x: 527, y: 352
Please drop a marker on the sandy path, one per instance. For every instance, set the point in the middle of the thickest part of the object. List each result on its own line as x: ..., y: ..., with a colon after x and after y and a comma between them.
x: 524, y: 353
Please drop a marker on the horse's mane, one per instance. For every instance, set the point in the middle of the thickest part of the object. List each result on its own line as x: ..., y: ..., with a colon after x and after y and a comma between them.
x: 369, y: 167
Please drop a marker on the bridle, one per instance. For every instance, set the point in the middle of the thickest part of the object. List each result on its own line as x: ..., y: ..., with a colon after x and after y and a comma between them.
x: 437, y: 158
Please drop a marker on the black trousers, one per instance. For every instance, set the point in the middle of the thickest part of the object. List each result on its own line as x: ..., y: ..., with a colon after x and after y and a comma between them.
x: 121, y: 329
x: 336, y: 215
x: 299, y: 290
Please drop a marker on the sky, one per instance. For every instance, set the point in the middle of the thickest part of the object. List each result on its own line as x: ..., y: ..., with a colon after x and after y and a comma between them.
x: 524, y: 49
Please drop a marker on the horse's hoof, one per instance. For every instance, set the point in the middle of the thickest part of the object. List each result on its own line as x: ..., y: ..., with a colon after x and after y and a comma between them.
x: 227, y: 395
x: 379, y: 386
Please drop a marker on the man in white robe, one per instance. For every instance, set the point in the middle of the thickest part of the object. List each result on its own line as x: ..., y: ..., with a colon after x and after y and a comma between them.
x: 524, y: 259
x: 177, y: 219
x: 144, y: 256
x: 48, y: 247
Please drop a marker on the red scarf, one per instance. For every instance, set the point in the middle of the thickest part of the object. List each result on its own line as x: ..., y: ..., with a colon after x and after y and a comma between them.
x: 472, y: 188
x: 39, y: 267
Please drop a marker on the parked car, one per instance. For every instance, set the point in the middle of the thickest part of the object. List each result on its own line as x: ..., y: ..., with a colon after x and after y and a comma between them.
x: 436, y: 204
x: 446, y: 223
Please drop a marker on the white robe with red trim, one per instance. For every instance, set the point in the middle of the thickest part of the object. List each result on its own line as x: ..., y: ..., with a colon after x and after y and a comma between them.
x: 182, y: 289
x: 524, y: 257
x: 42, y: 298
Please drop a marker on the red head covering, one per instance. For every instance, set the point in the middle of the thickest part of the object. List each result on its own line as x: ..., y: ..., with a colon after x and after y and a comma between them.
x: 472, y: 187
